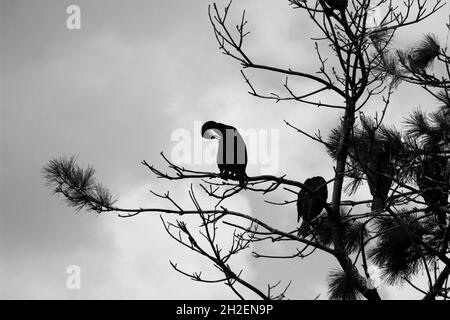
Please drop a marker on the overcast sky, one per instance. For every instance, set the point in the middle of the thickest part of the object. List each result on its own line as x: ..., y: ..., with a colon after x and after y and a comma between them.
x: 113, y: 93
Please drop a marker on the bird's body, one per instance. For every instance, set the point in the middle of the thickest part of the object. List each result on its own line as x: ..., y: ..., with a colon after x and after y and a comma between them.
x: 232, y: 152
x: 309, y: 206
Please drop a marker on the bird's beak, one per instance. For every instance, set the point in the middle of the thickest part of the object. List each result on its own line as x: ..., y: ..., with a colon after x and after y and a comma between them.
x: 211, y: 134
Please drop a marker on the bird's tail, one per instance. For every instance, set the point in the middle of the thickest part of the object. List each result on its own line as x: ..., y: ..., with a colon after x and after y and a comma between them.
x: 304, y: 229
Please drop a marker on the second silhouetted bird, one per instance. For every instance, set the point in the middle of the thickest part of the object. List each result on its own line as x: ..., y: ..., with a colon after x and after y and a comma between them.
x: 311, y: 204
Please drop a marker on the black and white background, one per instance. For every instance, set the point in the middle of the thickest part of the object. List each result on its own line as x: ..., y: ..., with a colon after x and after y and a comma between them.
x: 114, y: 93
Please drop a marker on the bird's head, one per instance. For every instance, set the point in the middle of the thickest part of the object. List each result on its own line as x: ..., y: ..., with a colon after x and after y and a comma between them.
x: 210, y: 130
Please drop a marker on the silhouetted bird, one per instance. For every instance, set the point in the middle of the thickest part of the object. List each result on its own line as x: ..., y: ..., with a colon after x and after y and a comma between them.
x: 232, y: 152
x: 309, y: 206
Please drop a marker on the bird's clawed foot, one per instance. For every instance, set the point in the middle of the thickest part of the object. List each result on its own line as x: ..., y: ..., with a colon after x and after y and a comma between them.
x: 225, y: 175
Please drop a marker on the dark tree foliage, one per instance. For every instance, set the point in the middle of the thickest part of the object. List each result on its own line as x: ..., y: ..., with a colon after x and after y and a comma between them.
x: 396, y: 251
x: 341, y: 287
x: 77, y: 185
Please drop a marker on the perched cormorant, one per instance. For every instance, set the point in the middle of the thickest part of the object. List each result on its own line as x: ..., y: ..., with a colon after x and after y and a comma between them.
x: 232, y: 152
x: 309, y: 205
